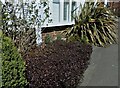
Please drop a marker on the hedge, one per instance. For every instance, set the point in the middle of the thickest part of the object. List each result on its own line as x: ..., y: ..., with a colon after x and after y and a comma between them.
x: 13, y: 66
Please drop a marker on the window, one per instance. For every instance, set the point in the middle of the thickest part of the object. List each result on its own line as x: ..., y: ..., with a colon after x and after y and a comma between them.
x: 56, y: 10
x: 74, y: 6
x: 66, y: 10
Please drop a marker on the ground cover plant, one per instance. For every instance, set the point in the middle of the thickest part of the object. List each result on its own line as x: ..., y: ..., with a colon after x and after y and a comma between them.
x: 58, y: 65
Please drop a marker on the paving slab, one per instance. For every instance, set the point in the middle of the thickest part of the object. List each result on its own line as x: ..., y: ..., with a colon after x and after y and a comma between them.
x: 103, y: 68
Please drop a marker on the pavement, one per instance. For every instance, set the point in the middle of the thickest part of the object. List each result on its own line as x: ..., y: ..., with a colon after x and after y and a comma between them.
x: 103, y: 68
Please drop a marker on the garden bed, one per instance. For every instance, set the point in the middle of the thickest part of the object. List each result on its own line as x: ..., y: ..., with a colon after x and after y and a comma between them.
x: 57, y: 65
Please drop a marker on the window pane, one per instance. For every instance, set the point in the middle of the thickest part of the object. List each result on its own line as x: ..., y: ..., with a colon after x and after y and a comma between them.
x: 66, y: 10
x: 56, y: 1
x: 74, y: 6
x: 56, y: 10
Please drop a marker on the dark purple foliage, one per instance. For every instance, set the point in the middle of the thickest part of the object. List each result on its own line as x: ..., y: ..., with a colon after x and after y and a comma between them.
x: 58, y: 65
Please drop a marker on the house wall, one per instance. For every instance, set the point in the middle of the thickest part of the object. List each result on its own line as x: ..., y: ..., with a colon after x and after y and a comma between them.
x: 61, y: 11
x: 61, y: 15
x: 54, y: 31
x: 115, y: 6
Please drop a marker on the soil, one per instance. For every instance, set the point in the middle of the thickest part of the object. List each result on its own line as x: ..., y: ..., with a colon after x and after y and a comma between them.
x: 57, y: 65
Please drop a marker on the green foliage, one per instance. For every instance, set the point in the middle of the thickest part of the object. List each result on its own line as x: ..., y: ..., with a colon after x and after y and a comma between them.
x: 59, y: 37
x: 48, y: 39
x: 22, y: 22
x: 94, y: 25
x: 13, y: 66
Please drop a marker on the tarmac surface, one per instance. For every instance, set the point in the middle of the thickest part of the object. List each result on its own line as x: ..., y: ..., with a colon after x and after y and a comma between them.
x: 103, y: 68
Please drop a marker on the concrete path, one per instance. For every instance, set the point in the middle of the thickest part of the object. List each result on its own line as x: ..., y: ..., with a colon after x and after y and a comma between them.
x: 103, y: 69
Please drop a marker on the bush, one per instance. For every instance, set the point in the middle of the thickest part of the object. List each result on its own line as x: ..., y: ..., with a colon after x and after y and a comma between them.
x: 16, y: 26
x: 58, y: 65
x: 94, y: 25
x: 59, y: 37
x: 24, y: 29
x: 13, y: 66
x: 48, y: 39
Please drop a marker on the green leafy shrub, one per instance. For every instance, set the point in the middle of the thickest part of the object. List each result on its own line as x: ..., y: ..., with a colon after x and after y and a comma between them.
x: 13, y: 66
x: 18, y: 30
x: 48, y: 39
x: 94, y: 25
x: 59, y: 37
x: 22, y: 22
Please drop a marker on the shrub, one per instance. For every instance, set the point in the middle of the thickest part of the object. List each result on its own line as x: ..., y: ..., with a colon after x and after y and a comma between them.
x: 58, y: 65
x: 22, y: 22
x: 48, y: 39
x: 59, y: 37
x: 13, y: 66
x: 16, y: 27
x: 94, y: 25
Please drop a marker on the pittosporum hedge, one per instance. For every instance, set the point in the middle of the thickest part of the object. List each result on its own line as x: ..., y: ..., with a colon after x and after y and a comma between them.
x: 13, y: 66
